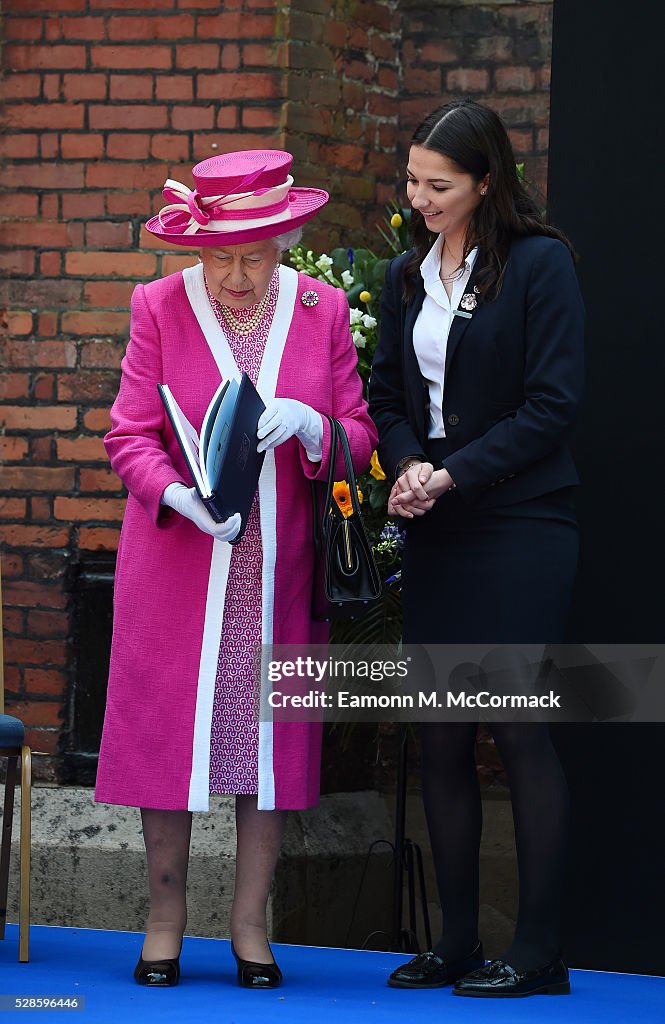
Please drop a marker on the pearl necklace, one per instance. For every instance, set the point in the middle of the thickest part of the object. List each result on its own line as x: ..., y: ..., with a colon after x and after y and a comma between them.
x: 244, y: 327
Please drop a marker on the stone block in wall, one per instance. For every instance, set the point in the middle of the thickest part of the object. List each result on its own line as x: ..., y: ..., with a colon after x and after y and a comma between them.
x: 88, y: 868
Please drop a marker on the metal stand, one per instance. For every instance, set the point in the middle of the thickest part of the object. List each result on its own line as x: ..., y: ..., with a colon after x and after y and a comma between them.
x: 407, y: 858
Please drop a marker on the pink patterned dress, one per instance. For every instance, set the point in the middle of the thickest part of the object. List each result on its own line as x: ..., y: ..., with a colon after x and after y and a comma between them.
x: 234, y: 741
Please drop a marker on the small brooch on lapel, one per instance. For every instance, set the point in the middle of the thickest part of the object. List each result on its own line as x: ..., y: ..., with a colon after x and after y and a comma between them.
x: 309, y: 298
x: 468, y: 303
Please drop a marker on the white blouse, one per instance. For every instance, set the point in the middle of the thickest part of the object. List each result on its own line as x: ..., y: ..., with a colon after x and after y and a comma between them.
x: 432, y: 327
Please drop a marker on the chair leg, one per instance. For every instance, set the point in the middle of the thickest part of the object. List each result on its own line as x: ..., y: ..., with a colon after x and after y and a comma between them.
x: 5, y: 846
x: 26, y: 821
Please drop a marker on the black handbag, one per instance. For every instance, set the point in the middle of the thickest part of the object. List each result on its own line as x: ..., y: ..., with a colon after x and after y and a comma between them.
x: 346, y: 579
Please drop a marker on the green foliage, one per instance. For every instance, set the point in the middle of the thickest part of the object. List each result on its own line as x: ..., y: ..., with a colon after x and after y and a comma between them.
x: 396, y: 234
x: 361, y: 273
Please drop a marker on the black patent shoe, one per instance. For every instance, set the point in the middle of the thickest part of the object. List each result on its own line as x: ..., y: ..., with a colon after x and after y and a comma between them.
x: 500, y: 979
x: 253, y: 975
x: 427, y: 970
x: 158, y: 973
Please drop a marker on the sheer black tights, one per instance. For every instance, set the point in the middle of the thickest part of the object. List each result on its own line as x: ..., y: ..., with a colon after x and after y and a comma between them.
x: 454, y: 816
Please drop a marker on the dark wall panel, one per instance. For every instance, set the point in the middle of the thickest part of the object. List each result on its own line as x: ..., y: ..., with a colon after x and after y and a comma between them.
x: 606, y: 191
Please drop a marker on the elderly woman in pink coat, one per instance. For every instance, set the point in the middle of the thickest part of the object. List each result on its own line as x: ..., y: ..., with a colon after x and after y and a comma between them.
x: 190, y: 608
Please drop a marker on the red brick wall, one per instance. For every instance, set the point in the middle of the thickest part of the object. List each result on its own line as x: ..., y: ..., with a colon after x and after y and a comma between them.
x: 101, y: 104
x: 341, y: 118
x: 497, y: 52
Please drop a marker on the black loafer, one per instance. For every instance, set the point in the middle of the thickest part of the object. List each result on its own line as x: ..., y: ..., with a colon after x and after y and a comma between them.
x: 157, y: 973
x: 500, y: 979
x: 254, y: 975
x: 427, y: 970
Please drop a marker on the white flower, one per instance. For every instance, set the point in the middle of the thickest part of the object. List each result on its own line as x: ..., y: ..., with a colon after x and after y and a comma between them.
x: 359, y: 339
x: 356, y: 316
x: 369, y: 321
x: 324, y: 263
x: 347, y: 278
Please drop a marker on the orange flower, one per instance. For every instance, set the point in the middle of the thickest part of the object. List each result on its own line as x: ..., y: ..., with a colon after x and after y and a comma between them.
x: 376, y: 470
x: 342, y: 495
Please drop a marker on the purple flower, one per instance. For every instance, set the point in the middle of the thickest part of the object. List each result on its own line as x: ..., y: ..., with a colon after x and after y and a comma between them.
x: 349, y: 253
x: 391, y: 534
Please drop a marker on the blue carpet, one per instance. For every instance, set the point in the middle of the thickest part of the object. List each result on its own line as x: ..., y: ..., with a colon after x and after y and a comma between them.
x: 322, y: 985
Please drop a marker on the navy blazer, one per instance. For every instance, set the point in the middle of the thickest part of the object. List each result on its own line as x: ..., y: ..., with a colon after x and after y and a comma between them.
x: 513, y: 379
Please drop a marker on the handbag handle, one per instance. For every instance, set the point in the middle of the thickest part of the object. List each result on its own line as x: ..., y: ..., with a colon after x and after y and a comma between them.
x: 337, y: 437
x: 350, y: 472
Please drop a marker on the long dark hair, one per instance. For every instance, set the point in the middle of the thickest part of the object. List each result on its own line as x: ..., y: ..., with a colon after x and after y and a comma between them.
x: 475, y: 139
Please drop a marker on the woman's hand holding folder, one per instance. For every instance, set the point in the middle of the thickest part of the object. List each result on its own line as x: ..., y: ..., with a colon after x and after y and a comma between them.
x: 284, y: 417
x: 186, y: 501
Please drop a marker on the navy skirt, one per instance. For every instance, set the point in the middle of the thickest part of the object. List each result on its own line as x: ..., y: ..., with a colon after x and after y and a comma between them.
x: 499, y: 576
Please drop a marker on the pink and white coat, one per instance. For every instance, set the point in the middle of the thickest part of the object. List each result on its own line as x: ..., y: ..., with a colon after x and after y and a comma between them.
x: 171, y: 578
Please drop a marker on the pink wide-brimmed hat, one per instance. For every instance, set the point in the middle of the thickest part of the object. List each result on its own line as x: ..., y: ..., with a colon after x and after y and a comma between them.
x: 238, y: 197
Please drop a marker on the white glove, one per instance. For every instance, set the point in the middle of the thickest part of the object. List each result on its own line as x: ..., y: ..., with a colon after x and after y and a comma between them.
x: 284, y: 417
x: 186, y: 501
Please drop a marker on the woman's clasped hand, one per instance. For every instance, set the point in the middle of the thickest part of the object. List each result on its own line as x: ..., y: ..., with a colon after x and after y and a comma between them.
x: 417, y: 488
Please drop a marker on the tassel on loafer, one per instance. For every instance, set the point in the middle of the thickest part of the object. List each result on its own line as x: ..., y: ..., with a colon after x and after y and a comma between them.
x: 500, y: 979
x: 428, y: 970
x: 254, y: 975
x: 158, y: 973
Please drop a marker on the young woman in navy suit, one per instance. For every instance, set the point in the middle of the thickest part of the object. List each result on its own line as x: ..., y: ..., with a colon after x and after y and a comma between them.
x: 474, y: 389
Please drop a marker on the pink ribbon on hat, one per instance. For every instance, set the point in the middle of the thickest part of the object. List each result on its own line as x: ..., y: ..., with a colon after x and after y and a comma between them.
x: 193, y: 201
x: 186, y: 200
